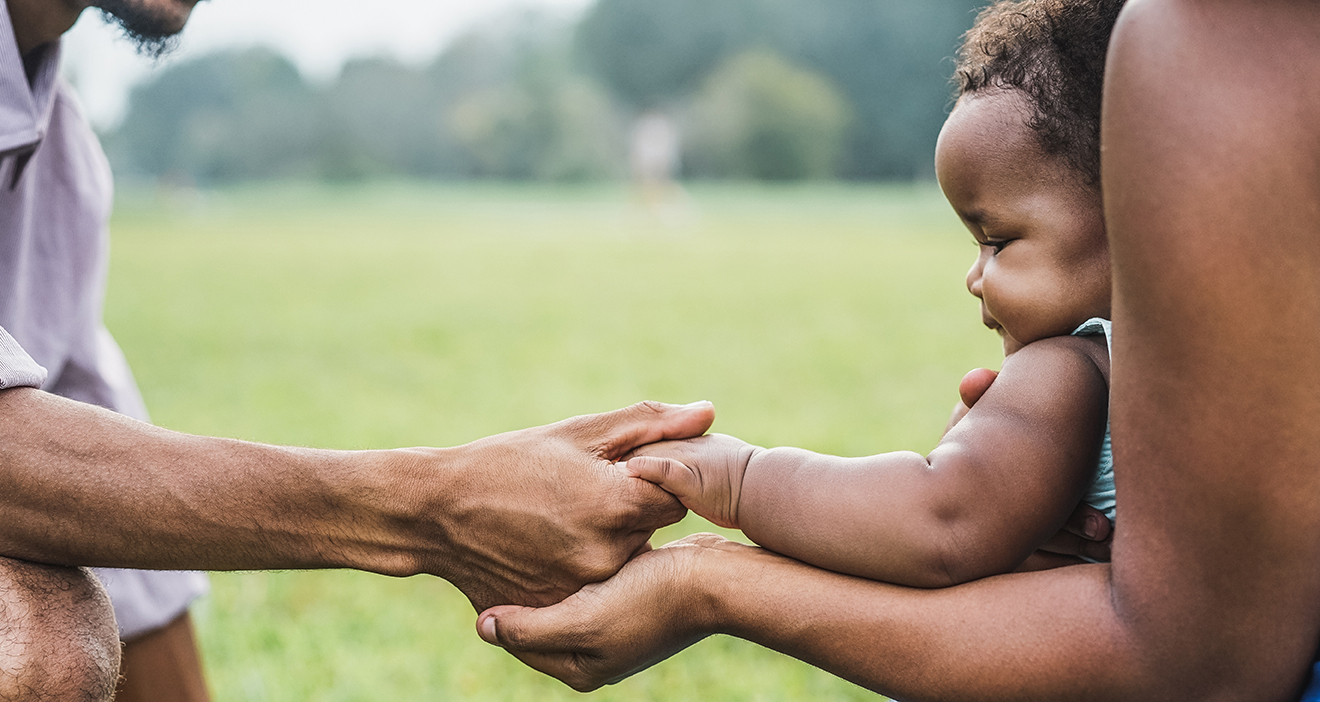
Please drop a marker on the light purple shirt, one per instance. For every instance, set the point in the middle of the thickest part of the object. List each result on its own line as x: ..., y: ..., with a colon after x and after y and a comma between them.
x: 55, y: 198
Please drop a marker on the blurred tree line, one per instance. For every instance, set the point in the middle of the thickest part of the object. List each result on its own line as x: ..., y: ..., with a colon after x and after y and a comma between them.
x: 767, y: 89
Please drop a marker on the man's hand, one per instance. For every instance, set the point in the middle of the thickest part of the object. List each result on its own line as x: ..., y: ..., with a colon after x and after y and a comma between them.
x: 705, y: 473
x: 613, y: 629
x: 531, y: 516
x: 1088, y: 532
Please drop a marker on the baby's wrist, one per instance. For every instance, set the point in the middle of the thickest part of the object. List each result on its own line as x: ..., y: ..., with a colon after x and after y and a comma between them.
x: 748, y: 457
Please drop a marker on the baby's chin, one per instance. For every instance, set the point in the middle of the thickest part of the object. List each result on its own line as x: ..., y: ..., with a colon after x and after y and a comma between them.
x: 1011, y: 345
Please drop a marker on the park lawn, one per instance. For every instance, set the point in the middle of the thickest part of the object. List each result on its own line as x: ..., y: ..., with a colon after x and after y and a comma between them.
x: 832, y: 317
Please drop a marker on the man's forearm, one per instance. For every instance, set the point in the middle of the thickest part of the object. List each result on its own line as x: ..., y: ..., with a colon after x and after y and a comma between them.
x: 85, y: 486
x: 525, y: 517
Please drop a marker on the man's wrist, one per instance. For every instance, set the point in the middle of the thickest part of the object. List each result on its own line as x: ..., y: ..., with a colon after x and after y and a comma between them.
x: 397, y: 500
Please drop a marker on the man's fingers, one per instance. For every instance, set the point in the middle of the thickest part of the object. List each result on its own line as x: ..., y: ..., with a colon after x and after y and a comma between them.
x: 614, y: 434
x: 655, y: 507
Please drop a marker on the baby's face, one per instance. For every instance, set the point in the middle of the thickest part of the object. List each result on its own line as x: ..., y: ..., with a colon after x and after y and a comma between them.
x: 1043, y: 262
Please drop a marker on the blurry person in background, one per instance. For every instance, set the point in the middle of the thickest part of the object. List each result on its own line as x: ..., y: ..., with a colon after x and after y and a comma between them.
x: 654, y: 153
x: 86, y: 486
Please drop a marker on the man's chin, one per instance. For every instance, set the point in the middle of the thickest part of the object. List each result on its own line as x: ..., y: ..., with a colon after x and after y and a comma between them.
x: 153, y: 25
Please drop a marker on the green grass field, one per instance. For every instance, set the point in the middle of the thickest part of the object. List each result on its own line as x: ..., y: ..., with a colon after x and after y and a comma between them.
x: 830, y: 317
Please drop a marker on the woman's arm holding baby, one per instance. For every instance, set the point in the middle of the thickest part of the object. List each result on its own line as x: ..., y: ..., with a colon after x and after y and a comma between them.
x: 975, y: 641
x: 999, y: 485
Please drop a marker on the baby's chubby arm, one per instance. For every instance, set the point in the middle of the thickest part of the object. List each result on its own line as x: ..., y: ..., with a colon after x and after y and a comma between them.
x: 1001, y: 482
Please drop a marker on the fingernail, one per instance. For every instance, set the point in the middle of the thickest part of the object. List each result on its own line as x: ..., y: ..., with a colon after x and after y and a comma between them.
x: 1092, y: 528
x: 699, y: 403
x: 486, y: 629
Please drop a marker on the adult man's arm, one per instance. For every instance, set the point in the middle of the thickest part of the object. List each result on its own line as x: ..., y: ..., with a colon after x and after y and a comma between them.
x: 1212, y: 185
x: 528, y: 516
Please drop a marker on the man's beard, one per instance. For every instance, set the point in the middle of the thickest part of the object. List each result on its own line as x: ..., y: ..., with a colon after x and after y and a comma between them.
x: 154, y: 32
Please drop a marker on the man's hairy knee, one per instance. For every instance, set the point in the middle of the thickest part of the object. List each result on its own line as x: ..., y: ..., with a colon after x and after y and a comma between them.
x: 58, y: 639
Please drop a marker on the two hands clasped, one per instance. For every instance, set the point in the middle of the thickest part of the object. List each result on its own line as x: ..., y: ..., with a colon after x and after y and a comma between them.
x: 664, y: 599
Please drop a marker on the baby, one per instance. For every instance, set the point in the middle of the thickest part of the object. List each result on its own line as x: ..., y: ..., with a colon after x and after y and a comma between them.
x: 1018, y: 159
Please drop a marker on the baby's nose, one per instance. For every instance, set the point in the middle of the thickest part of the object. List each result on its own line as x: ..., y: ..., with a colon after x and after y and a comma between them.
x: 974, y: 278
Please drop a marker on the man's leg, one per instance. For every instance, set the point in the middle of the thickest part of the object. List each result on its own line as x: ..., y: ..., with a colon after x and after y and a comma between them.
x: 58, y: 639
x: 163, y: 665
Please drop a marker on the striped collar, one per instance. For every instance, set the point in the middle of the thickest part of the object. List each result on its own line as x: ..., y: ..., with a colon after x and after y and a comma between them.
x: 25, y: 108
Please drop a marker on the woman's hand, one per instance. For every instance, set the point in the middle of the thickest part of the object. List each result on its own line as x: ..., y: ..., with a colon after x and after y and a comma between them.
x: 653, y: 608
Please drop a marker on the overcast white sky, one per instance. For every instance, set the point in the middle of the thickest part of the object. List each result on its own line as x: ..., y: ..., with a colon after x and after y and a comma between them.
x: 319, y: 35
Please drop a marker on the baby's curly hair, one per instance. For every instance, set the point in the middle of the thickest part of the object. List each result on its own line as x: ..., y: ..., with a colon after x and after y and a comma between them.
x: 1054, y: 52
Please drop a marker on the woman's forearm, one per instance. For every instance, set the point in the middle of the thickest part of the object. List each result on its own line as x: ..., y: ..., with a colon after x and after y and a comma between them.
x: 1036, y: 636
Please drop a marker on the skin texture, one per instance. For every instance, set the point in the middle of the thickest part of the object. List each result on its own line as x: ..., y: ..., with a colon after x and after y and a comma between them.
x: 1211, y: 172
x: 998, y: 485
x: 165, y: 664
x: 1088, y: 534
x: 1006, y: 475
x: 57, y: 634
x: 526, y: 516
x: 1043, y: 263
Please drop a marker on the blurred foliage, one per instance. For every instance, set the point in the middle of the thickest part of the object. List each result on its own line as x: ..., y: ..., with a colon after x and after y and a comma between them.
x: 759, y: 117
x: 889, y: 57
x: 852, y: 88
x: 530, y: 116
x: 223, y: 117
x: 652, y: 52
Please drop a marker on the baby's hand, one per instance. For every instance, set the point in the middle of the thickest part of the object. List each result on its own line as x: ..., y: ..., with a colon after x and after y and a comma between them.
x: 705, y: 473
x: 972, y: 387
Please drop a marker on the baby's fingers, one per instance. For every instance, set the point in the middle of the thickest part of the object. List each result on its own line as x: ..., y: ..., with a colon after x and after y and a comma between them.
x: 686, y: 484
x: 669, y: 474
